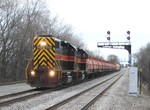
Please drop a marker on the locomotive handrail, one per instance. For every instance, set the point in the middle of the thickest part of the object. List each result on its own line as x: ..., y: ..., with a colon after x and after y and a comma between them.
x: 58, y: 64
x: 26, y: 69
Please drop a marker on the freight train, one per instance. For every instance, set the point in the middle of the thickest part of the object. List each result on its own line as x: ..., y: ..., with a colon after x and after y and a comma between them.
x: 57, y: 62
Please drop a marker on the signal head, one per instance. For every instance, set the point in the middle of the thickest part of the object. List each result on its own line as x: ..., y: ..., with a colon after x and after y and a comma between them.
x: 108, y: 32
x: 128, y: 32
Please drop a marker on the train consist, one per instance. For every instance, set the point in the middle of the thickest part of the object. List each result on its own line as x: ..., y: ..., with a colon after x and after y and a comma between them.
x: 56, y: 62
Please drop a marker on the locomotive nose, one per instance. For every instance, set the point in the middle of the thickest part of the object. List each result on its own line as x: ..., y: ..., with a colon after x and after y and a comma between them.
x: 44, y: 52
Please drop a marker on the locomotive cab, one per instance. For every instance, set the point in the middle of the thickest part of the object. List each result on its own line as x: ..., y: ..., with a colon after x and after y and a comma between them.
x: 82, y: 57
x: 68, y: 56
x: 68, y: 62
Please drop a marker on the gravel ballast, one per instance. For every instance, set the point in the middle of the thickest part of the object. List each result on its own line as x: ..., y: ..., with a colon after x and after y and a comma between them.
x: 117, y: 98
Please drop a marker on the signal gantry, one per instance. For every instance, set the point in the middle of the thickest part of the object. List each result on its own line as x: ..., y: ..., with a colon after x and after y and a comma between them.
x: 117, y: 45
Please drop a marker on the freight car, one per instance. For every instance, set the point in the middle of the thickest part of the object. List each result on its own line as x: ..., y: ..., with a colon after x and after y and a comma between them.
x: 56, y: 62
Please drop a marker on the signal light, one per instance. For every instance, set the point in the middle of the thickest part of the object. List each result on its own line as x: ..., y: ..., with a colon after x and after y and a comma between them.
x: 108, y: 32
x: 128, y: 38
x: 108, y: 38
x: 128, y: 32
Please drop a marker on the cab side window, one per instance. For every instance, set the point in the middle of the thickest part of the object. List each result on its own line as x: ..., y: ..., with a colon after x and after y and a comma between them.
x: 57, y: 44
x: 64, y: 47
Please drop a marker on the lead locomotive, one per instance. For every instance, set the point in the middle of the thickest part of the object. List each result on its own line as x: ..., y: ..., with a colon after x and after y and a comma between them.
x: 56, y: 62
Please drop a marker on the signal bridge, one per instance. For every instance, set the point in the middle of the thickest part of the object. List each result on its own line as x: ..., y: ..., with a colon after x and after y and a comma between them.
x: 117, y: 45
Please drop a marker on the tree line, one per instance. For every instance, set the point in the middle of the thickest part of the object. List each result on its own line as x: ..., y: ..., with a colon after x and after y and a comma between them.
x: 20, y: 21
x: 143, y: 62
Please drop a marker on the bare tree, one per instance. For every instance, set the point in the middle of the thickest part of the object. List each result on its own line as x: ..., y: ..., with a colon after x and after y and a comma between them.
x: 143, y: 61
x: 113, y: 59
x: 8, y: 21
x: 20, y: 21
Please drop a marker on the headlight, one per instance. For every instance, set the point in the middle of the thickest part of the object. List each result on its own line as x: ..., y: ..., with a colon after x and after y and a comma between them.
x: 32, y: 73
x: 43, y: 43
x: 52, y: 73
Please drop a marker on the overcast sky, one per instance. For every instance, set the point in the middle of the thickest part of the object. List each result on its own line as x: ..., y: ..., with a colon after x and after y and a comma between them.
x: 93, y: 18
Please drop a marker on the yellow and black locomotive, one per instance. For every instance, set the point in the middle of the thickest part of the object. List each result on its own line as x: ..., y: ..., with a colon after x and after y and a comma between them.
x: 55, y: 62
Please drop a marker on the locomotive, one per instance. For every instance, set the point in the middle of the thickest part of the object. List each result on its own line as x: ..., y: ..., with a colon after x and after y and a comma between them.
x: 57, y: 62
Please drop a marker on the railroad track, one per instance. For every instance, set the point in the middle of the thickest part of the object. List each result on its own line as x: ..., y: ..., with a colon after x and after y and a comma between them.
x: 26, y: 95
x: 11, y: 83
x: 21, y: 96
x: 9, y: 99
x: 100, y: 94
x: 87, y: 105
x: 16, y: 94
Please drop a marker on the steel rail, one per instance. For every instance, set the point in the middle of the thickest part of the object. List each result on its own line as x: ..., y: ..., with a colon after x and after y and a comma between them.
x: 23, y: 98
x: 75, y: 96
x: 100, y: 94
x: 16, y: 94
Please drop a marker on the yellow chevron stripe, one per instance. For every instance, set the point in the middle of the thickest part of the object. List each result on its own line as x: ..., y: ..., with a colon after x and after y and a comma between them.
x: 36, y: 40
x: 44, y: 64
x: 39, y: 52
x: 41, y: 60
x: 36, y: 51
x: 52, y: 41
x: 35, y: 67
x: 50, y: 64
x: 35, y: 62
x: 50, y: 60
x: 43, y: 56
x: 36, y: 59
x: 50, y: 44
x: 52, y: 51
x: 40, y: 56
x: 50, y: 54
